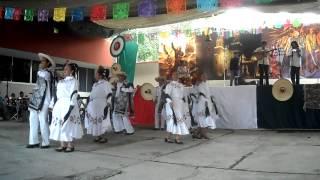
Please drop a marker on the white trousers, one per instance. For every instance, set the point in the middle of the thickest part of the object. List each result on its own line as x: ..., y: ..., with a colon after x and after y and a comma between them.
x: 159, y: 120
x: 121, y: 122
x: 36, y: 118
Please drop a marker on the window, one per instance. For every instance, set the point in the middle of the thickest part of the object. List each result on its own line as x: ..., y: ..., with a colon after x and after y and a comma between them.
x: 35, y: 68
x: 21, y: 70
x: 86, y: 79
x: 5, y: 70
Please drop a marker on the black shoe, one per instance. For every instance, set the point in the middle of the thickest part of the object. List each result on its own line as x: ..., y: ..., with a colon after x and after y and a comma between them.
x: 167, y: 140
x: 45, y: 147
x: 129, y: 134
x: 69, y: 149
x: 30, y: 146
x: 178, y: 142
x: 60, y: 149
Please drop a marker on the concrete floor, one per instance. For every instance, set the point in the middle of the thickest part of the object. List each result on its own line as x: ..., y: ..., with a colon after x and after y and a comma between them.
x: 238, y: 154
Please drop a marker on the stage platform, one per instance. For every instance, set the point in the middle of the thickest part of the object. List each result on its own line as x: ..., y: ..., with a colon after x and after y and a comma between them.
x: 248, y: 107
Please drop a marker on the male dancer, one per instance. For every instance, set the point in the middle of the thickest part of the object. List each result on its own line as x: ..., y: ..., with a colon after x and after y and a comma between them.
x: 39, y: 103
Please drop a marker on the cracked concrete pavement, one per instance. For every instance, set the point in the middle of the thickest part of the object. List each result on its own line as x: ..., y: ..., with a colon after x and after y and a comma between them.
x: 229, y: 154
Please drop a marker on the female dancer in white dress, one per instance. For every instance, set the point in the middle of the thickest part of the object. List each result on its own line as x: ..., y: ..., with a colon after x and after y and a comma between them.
x: 175, y: 110
x: 97, y: 120
x: 205, y: 114
x: 66, y: 123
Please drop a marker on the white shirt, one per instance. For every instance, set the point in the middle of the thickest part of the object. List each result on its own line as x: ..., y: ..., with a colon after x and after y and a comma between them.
x: 120, y: 88
x: 295, y: 59
x: 175, y: 90
x: 66, y: 87
x: 264, y: 60
x: 203, y: 88
x: 100, y: 90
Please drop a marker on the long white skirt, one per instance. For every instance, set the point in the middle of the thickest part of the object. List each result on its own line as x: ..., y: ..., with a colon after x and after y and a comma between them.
x: 180, y: 128
x: 121, y: 122
x: 95, y: 123
x: 71, y: 128
x: 203, y: 120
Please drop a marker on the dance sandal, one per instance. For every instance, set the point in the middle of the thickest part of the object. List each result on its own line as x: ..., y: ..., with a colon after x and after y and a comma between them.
x: 98, y: 139
x: 60, y: 149
x: 103, y: 140
x: 69, y: 149
x: 30, y: 146
x: 178, y: 142
x: 167, y: 140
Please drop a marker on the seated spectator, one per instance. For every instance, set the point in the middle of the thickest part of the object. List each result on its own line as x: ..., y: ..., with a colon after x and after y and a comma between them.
x: 3, y: 109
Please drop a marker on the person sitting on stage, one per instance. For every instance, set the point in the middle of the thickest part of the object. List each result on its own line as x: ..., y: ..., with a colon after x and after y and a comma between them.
x: 39, y: 103
x: 175, y: 110
x: 122, y: 104
x: 159, y: 103
x: 205, y: 114
x: 234, y: 68
x: 66, y: 122
x: 97, y: 118
x: 295, y: 62
x: 263, y: 54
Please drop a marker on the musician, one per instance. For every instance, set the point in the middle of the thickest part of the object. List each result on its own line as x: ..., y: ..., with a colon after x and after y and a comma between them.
x: 234, y: 67
x: 295, y: 62
x: 39, y: 103
x: 159, y: 102
x: 97, y: 119
x: 66, y: 123
x: 263, y: 54
x: 122, y: 104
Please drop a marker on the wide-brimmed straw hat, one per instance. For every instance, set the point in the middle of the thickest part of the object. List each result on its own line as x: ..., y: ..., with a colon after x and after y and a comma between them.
x: 45, y: 56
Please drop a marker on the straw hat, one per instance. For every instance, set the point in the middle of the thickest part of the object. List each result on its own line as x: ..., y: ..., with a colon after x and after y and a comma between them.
x: 45, y: 56
x: 282, y: 90
x: 147, y: 91
x: 120, y: 73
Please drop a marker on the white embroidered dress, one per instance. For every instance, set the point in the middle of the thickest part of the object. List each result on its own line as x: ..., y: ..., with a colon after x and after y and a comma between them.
x: 70, y: 129
x: 176, y: 91
x: 204, y: 102
x: 95, y: 121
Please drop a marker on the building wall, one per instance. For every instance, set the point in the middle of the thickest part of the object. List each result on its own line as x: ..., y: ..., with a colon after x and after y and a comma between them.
x: 39, y: 37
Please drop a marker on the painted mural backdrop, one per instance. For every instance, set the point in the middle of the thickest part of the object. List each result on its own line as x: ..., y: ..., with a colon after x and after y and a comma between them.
x: 308, y: 38
x: 211, y: 51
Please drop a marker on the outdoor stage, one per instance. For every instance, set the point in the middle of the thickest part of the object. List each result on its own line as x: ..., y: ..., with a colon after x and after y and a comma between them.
x: 250, y: 107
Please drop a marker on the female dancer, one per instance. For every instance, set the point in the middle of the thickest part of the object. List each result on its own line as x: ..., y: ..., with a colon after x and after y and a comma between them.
x: 205, y: 115
x: 175, y: 110
x: 66, y: 123
x: 97, y: 120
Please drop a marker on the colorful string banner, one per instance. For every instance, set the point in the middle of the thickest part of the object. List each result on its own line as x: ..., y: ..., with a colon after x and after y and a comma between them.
x: 17, y: 14
x: 59, y: 14
x: 147, y: 8
x: 120, y: 10
x: 176, y: 6
x: 43, y: 15
x: 9, y: 13
x: 1, y: 12
x: 28, y: 14
x: 98, y: 12
x: 77, y: 14
x: 207, y: 5
x: 296, y: 23
x: 231, y: 3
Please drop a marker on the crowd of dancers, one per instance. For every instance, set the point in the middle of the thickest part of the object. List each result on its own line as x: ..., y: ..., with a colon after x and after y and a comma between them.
x: 179, y: 110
